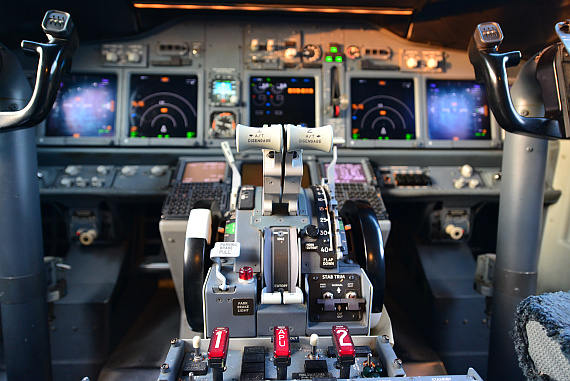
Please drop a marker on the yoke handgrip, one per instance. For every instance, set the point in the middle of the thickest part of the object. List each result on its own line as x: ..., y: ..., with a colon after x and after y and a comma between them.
x: 54, y: 58
x: 491, y: 68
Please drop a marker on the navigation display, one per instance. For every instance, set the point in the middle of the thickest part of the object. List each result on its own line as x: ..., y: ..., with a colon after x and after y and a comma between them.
x: 382, y: 108
x: 85, y: 107
x: 348, y: 173
x: 282, y: 100
x: 457, y: 110
x: 163, y: 106
x: 204, y: 172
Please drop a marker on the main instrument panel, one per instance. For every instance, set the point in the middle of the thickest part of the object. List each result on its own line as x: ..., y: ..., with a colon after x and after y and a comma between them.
x: 191, y: 82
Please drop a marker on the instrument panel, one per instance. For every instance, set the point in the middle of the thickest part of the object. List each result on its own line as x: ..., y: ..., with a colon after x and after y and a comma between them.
x: 189, y: 84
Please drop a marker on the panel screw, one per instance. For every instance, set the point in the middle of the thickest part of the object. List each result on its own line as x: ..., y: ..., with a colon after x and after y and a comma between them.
x: 386, y: 338
x: 174, y: 342
x: 398, y: 363
x: 164, y: 368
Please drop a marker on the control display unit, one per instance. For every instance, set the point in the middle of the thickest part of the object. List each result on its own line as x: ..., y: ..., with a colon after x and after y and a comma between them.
x: 457, y: 110
x: 382, y: 108
x: 163, y: 106
x: 204, y: 172
x: 282, y: 100
x: 348, y: 173
x: 85, y: 107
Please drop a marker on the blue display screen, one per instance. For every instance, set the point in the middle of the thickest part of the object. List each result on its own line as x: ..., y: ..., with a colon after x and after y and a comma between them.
x: 85, y: 107
x: 457, y: 110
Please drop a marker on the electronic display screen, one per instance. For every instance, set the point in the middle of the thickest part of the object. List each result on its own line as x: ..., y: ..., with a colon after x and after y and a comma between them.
x: 252, y: 174
x: 457, y: 110
x: 163, y: 106
x: 85, y: 107
x: 348, y: 173
x: 224, y: 92
x: 382, y: 108
x: 204, y: 172
x: 282, y: 100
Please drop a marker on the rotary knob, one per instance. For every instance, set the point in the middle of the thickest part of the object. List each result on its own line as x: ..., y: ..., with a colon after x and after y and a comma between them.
x: 290, y: 53
x: 129, y: 170
x: 411, y: 62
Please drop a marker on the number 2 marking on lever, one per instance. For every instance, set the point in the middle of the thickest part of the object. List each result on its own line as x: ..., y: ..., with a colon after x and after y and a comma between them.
x: 343, y: 334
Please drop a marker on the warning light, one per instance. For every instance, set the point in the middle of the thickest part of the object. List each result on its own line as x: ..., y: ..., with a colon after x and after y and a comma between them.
x: 382, y: 112
x: 164, y: 79
x: 382, y: 83
x: 164, y: 110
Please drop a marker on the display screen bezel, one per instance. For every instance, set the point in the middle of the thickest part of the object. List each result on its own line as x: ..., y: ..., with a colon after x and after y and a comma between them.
x: 392, y: 143
x: 155, y: 141
x: 304, y: 73
x: 44, y: 139
x: 492, y: 143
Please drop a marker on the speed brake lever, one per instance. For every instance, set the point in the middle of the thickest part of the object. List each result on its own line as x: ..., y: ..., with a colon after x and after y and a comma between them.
x: 54, y: 59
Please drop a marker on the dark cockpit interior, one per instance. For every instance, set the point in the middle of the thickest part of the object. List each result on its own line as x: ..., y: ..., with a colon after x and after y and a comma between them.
x: 231, y: 190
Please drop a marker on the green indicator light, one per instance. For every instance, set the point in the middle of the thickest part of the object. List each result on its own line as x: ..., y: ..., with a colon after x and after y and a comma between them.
x: 408, y: 136
x: 190, y: 135
x: 380, y: 138
x: 166, y: 136
x: 387, y: 138
x: 159, y: 136
x: 364, y: 138
x: 231, y: 228
x: 338, y: 58
x: 133, y: 134
x: 334, y: 49
x: 328, y: 59
x: 355, y: 136
x: 268, y: 79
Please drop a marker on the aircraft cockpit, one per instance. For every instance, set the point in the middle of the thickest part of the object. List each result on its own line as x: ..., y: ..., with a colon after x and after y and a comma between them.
x: 212, y: 191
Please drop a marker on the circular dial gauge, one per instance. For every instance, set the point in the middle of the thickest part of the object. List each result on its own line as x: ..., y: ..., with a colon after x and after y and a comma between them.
x: 311, y: 53
x: 163, y: 107
x: 223, y: 125
x: 353, y: 52
x: 382, y: 109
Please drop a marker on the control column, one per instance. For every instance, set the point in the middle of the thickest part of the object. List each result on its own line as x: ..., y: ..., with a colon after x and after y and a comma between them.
x: 218, y: 352
x: 345, y: 352
x: 281, y: 351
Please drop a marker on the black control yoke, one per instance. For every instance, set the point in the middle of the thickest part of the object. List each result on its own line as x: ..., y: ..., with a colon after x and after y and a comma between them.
x: 54, y: 58
x: 491, y: 68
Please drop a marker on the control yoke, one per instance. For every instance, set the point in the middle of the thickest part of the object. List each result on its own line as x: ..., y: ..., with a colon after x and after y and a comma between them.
x: 54, y: 58
x: 282, y: 159
x: 491, y: 68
